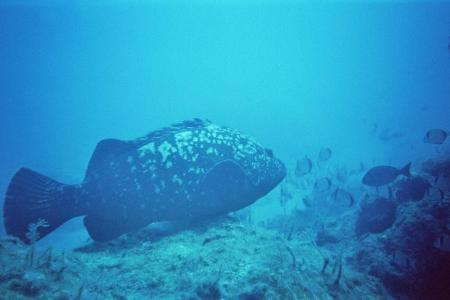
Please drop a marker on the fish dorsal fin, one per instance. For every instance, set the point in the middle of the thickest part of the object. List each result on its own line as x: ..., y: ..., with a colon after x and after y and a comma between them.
x: 405, y: 170
x: 194, y: 123
x: 173, y: 128
x: 105, y: 151
x: 225, y: 185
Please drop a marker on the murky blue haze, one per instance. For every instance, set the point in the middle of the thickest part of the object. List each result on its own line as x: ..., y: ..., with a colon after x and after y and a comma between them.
x: 295, y: 75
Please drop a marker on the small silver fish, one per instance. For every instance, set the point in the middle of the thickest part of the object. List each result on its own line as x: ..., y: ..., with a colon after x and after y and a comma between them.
x: 343, y: 197
x: 303, y: 167
x: 324, y: 154
x: 322, y: 184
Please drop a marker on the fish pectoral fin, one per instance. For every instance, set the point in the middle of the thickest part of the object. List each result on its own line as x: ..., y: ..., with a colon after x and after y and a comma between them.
x: 102, y: 230
x: 224, y: 184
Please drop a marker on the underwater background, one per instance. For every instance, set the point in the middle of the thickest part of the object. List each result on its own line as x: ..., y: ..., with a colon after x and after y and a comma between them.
x: 364, y: 79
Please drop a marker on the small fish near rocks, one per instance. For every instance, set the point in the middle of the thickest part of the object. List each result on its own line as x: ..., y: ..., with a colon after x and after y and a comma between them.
x: 322, y: 184
x: 325, y: 154
x: 303, y: 167
x: 189, y: 170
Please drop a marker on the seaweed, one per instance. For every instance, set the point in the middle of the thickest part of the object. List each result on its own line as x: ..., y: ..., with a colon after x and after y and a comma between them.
x: 33, y: 236
x: 294, y: 261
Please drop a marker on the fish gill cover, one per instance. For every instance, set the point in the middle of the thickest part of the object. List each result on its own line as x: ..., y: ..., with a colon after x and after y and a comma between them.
x: 324, y: 173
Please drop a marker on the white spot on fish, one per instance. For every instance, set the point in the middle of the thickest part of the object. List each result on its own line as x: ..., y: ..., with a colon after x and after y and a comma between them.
x: 164, y: 149
x: 176, y: 179
x: 183, y: 136
x: 147, y: 148
x: 138, y: 186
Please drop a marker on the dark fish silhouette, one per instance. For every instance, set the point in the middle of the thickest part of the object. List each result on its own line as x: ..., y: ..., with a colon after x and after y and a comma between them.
x: 412, y: 188
x: 382, y: 175
x: 324, y: 154
x: 190, y: 170
x: 303, y: 167
x: 435, y: 136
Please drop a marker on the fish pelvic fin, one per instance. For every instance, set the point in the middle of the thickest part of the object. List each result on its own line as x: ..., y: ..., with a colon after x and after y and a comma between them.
x: 35, y: 205
x: 405, y: 170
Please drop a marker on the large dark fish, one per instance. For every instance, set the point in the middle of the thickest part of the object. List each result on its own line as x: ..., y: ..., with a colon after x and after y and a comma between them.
x: 190, y: 170
x: 382, y: 175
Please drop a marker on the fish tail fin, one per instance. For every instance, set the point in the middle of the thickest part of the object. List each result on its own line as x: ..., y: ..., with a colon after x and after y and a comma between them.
x: 35, y: 205
x: 405, y: 170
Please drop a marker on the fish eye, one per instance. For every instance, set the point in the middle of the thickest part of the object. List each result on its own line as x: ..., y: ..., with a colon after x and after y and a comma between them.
x: 269, y: 152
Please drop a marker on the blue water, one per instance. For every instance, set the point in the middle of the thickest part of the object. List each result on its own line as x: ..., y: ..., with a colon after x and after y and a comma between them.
x: 297, y: 76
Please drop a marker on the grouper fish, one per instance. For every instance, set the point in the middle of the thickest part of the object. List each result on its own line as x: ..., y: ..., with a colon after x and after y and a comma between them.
x: 187, y: 171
